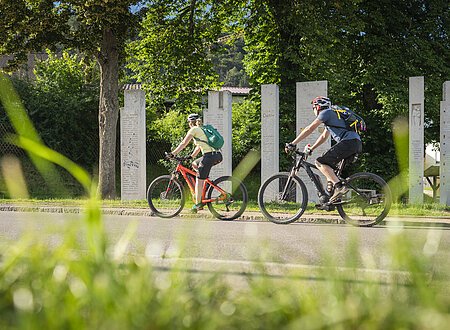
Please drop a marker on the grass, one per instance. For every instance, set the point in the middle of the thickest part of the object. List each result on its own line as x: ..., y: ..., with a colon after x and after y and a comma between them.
x: 425, y: 210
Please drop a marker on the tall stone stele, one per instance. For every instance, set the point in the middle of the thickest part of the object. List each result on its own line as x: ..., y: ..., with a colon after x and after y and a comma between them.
x: 444, y: 168
x: 270, y: 119
x: 218, y: 114
x: 306, y: 91
x: 132, y: 143
x: 416, y: 139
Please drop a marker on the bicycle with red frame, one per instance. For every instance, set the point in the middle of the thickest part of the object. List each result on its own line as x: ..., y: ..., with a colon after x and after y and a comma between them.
x: 226, y: 197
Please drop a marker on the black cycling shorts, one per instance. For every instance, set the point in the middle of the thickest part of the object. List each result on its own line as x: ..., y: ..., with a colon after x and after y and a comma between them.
x: 340, y: 151
x: 207, y: 161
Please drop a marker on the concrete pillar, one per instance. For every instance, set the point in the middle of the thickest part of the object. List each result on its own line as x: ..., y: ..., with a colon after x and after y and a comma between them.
x: 270, y: 119
x: 416, y: 139
x: 133, y: 148
x: 218, y: 114
x: 306, y: 91
x: 444, y: 174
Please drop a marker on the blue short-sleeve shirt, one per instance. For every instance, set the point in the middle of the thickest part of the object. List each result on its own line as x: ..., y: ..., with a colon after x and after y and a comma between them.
x: 333, y: 124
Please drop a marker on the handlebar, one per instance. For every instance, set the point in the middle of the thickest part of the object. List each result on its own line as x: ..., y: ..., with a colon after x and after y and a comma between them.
x: 303, y: 154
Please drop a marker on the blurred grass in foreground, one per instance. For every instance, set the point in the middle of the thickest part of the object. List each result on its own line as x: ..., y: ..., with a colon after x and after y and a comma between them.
x: 65, y: 286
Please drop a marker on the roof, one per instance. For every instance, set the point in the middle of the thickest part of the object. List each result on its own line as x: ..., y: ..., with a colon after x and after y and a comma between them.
x: 127, y: 87
x: 231, y: 89
x: 236, y: 90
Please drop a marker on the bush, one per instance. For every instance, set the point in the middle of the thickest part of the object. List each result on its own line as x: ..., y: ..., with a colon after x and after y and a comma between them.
x: 63, y: 104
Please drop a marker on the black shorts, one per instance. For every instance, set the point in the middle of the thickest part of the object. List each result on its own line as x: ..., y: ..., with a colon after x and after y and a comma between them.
x: 340, y: 151
x: 207, y: 161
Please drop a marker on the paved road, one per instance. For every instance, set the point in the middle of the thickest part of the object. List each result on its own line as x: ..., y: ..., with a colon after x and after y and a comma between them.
x: 243, y: 242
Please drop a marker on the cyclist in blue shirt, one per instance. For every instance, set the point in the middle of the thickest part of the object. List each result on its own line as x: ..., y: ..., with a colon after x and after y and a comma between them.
x: 348, y: 142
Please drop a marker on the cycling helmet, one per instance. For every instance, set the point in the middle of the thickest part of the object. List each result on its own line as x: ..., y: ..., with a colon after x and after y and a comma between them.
x: 193, y: 117
x: 321, y: 103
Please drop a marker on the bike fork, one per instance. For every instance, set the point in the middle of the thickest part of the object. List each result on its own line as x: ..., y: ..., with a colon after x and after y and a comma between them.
x: 287, y: 185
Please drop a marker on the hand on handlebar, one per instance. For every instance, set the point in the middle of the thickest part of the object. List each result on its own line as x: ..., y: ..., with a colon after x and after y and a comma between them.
x: 308, y: 150
x: 289, y: 147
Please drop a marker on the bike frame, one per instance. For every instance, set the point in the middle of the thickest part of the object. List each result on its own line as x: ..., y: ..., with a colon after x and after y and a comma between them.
x: 190, y: 178
x: 301, y: 162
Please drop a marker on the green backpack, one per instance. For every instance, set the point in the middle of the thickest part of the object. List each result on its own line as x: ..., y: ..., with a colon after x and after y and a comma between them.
x: 214, y: 138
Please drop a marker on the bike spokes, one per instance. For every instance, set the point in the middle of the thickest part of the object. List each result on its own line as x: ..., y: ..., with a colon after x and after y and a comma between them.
x: 367, y: 202
x: 165, y: 197
x: 282, y: 198
x: 228, y: 198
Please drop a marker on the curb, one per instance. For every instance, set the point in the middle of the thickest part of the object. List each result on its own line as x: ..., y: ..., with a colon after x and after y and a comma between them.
x: 247, y: 216
x: 250, y: 216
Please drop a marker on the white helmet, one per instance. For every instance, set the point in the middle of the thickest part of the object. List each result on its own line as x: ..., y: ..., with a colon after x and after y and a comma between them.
x: 193, y: 117
x: 321, y: 103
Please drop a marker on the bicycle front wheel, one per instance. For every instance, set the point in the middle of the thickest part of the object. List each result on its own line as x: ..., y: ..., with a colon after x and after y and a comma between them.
x: 165, y: 196
x: 229, y: 203
x: 282, y: 198
x: 367, y: 202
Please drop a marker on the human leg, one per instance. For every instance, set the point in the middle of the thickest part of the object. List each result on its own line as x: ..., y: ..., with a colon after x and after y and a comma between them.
x: 328, y: 172
x: 327, y: 164
x: 203, y: 169
x: 198, y: 190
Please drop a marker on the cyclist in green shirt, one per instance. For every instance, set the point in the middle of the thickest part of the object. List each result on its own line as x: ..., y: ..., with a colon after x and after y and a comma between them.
x: 202, y: 165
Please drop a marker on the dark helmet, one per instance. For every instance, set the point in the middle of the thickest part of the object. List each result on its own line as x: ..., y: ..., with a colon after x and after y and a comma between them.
x: 193, y: 117
x: 321, y: 103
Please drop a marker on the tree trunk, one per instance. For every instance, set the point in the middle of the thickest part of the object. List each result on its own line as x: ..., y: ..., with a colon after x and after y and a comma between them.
x: 108, y: 60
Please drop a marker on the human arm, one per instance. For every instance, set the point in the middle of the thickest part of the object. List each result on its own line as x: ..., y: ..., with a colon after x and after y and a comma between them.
x: 307, y: 131
x: 183, y: 144
x: 195, y: 152
x: 321, y: 139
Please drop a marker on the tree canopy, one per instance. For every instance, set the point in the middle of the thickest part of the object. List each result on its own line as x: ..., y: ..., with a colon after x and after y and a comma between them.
x: 98, y: 28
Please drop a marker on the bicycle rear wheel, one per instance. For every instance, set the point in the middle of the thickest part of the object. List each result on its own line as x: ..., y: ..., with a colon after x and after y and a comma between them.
x: 234, y: 202
x: 367, y: 202
x: 165, y: 196
x: 282, y: 198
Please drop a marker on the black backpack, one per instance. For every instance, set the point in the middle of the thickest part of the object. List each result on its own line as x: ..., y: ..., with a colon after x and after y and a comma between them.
x: 353, y: 121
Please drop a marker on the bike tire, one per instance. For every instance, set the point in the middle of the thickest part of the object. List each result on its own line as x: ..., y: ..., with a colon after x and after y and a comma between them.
x: 163, y: 202
x: 236, y: 202
x: 270, y: 198
x: 371, y: 206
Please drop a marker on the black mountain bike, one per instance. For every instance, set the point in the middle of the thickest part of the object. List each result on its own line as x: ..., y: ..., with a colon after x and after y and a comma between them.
x: 283, y: 197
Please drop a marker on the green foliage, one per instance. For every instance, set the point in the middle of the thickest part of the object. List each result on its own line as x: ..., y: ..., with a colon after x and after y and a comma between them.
x: 96, y: 28
x: 262, y: 39
x: 170, y: 127
x: 228, y: 62
x: 170, y: 54
x: 246, y: 121
x: 63, y: 104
